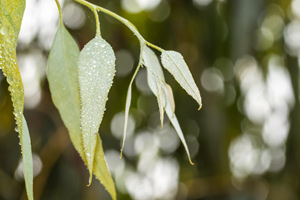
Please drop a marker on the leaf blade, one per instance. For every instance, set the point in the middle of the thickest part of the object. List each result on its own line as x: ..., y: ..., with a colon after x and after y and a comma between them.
x: 62, y: 75
x: 96, y: 66
x: 27, y: 160
x: 175, y: 64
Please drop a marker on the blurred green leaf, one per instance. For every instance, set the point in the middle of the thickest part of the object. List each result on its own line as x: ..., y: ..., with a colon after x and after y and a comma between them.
x: 27, y: 159
x: 96, y: 71
x: 175, y: 64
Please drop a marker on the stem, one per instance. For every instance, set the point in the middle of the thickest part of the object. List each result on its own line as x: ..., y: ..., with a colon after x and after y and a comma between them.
x: 59, y: 11
x: 122, y: 20
x: 94, y: 9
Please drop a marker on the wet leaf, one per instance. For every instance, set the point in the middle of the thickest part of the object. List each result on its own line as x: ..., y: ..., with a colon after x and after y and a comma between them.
x: 11, y: 14
x: 175, y: 64
x: 96, y: 67
x: 62, y: 74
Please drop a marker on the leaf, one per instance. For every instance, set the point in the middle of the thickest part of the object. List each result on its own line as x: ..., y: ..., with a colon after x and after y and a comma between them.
x: 11, y: 14
x: 175, y: 64
x: 96, y: 67
x: 154, y: 83
x: 101, y: 170
x: 127, y: 106
x: 27, y: 160
x: 62, y: 74
x: 152, y: 64
x: 175, y: 123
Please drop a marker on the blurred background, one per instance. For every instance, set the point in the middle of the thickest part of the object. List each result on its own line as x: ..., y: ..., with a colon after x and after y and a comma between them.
x: 245, y: 141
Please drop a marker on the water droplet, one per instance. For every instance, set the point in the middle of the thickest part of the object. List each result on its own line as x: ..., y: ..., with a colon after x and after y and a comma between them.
x: 4, y: 30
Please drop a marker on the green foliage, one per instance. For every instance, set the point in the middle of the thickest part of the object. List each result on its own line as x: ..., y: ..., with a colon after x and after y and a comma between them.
x: 96, y: 69
x: 79, y: 83
x: 11, y: 13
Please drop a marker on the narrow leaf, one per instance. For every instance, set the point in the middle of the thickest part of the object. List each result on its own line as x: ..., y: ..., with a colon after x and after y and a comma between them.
x: 62, y: 74
x: 152, y: 82
x: 175, y: 123
x: 96, y: 67
x: 152, y: 63
x: 11, y: 14
x: 155, y: 72
x: 127, y: 106
x: 156, y: 87
x: 27, y: 160
x: 101, y: 170
x: 175, y: 64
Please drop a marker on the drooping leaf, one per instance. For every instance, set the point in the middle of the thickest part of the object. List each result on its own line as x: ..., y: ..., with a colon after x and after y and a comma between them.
x: 127, y: 106
x: 27, y: 160
x: 152, y: 64
x: 96, y: 67
x: 154, y: 83
x: 175, y: 64
x: 11, y: 14
x: 101, y: 170
x: 62, y: 74
x: 173, y: 119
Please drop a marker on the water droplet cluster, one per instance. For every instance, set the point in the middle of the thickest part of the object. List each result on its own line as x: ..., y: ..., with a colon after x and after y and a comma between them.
x: 9, y: 30
x: 96, y: 71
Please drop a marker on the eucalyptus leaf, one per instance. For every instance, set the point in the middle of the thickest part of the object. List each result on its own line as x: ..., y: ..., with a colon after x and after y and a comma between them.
x: 11, y: 14
x: 27, y: 160
x: 175, y: 64
x: 96, y: 68
x: 62, y: 74
x: 152, y: 82
x: 127, y: 106
x: 155, y: 72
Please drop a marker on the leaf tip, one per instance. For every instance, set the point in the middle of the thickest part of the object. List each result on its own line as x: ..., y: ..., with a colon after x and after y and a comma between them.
x: 121, y: 154
x: 90, y: 179
x: 191, y: 161
x: 200, y: 106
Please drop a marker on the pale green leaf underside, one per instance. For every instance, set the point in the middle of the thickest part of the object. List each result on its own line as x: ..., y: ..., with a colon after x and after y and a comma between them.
x: 163, y: 92
x: 127, y: 106
x: 175, y: 64
x: 11, y: 14
x: 62, y: 74
x: 27, y: 159
x: 96, y: 69
x: 152, y: 64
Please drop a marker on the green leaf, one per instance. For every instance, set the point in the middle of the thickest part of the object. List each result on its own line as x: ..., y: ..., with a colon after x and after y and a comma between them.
x: 27, y: 160
x: 62, y: 74
x: 152, y: 64
x: 175, y: 64
x: 152, y: 81
x: 96, y: 67
x: 101, y: 170
x: 11, y: 14
x: 127, y: 106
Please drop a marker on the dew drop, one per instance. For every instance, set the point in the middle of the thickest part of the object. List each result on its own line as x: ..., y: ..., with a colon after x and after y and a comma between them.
x: 4, y: 30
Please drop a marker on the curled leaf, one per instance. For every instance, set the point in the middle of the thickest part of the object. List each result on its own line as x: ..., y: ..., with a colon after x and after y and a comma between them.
x: 96, y: 69
x: 175, y: 64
